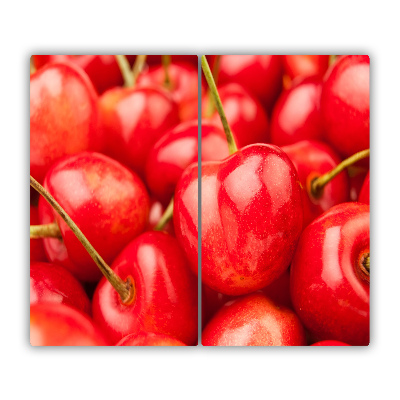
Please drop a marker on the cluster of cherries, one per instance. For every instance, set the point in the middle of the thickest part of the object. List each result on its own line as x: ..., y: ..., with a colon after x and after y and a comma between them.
x: 284, y: 230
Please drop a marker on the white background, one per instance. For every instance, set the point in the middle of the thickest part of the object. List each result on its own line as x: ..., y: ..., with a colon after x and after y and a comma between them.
x: 198, y: 27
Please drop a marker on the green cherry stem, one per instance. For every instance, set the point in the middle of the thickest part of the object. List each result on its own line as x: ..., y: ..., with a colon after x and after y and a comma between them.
x: 332, y: 59
x: 213, y: 89
x: 138, y: 67
x: 215, y: 72
x: 168, y: 213
x: 166, y: 61
x: 318, y: 184
x: 125, y: 70
x: 45, y: 231
x: 125, y: 289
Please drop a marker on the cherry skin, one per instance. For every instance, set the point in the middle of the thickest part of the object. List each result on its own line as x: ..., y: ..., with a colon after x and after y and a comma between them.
x: 329, y: 343
x: 364, y: 192
x: 64, y: 116
x: 251, y: 218
x: 329, y: 283
x: 165, y: 299
x: 149, y: 339
x: 297, y: 65
x: 51, y: 283
x: 133, y: 120
x: 345, y: 104
x: 54, y: 324
x: 254, y: 320
x: 296, y: 115
x: 313, y: 159
x: 37, y: 252
x: 176, y: 150
x: 183, y: 85
x: 246, y: 117
x: 278, y: 291
x: 106, y: 200
x: 103, y: 70
x: 261, y: 75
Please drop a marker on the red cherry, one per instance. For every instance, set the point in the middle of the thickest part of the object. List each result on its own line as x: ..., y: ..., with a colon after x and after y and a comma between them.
x: 64, y: 116
x: 364, y: 193
x: 345, y: 104
x: 254, y: 320
x: 176, y: 150
x: 149, y: 339
x: 107, y: 201
x: 133, y: 120
x: 247, y: 119
x: 261, y: 75
x: 297, y: 65
x: 61, y: 325
x: 330, y: 275
x: 183, y: 85
x: 296, y: 115
x: 103, y: 70
x: 251, y: 219
x: 278, y: 291
x: 54, y: 284
x: 329, y: 343
x: 37, y: 252
x: 312, y: 160
x: 165, y: 299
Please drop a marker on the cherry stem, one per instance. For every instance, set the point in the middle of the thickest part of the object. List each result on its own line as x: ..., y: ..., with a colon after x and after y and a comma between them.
x: 215, y: 72
x: 125, y: 70
x: 166, y: 61
x: 32, y: 66
x: 318, y: 184
x: 213, y: 89
x: 124, y: 289
x: 138, y: 67
x: 366, y: 263
x: 45, y: 231
x: 332, y: 59
x: 168, y: 213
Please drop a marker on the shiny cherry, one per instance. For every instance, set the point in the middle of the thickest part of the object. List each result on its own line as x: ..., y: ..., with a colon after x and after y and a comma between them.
x: 177, y: 149
x: 165, y: 291
x: 107, y: 201
x: 345, y: 104
x: 61, y: 325
x: 133, y: 120
x: 251, y: 218
x: 299, y: 65
x: 330, y: 275
x: 103, y: 70
x: 64, y: 117
x: 183, y: 85
x: 51, y: 283
x: 278, y: 291
x: 296, y: 115
x: 313, y: 159
x: 246, y: 117
x: 254, y: 320
x: 149, y: 339
x: 261, y: 75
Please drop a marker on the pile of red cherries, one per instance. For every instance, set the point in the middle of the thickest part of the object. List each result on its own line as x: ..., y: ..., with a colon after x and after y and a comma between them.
x: 117, y: 195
